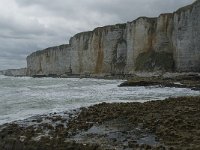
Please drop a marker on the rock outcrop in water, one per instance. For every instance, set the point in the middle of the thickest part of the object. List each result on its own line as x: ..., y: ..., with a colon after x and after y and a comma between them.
x: 167, y: 43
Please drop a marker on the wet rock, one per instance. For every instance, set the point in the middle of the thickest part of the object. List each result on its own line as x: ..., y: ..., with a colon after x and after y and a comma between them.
x: 179, y: 82
x: 39, y: 120
x: 173, y: 122
x: 133, y: 144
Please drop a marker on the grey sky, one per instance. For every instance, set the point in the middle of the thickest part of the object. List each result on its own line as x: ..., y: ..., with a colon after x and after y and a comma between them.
x: 30, y: 25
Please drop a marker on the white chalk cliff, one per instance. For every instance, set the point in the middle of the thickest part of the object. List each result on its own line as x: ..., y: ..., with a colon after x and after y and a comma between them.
x: 14, y: 72
x: 170, y: 42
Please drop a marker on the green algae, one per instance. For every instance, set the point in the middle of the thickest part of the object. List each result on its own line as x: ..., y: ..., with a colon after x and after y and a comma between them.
x: 152, y: 61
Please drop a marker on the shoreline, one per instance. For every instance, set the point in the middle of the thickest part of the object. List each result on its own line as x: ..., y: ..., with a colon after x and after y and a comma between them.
x: 177, y: 80
x: 172, y: 123
x: 189, y: 80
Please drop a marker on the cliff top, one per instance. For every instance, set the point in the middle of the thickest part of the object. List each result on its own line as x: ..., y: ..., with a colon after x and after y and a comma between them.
x: 54, y: 48
x: 188, y: 7
x: 123, y: 25
x: 107, y: 27
x: 113, y: 27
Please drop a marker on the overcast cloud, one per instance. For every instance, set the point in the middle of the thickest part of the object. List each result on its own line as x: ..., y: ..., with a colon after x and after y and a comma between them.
x: 30, y: 25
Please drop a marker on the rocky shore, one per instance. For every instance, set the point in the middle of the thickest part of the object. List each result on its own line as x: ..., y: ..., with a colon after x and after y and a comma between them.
x: 168, y: 124
x: 191, y: 81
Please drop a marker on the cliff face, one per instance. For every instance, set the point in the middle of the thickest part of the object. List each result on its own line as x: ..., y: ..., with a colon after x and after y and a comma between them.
x: 186, y: 37
x: 100, y: 51
x: 53, y: 60
x: 168, y: 43
x: 149, y: 44
x: 14, y: 72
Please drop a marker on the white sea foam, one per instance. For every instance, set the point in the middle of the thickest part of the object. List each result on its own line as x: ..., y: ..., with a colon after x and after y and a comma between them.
x: 23, y: 97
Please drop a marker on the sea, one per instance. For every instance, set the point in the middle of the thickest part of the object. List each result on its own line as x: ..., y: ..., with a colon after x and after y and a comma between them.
x: 24, y: 97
